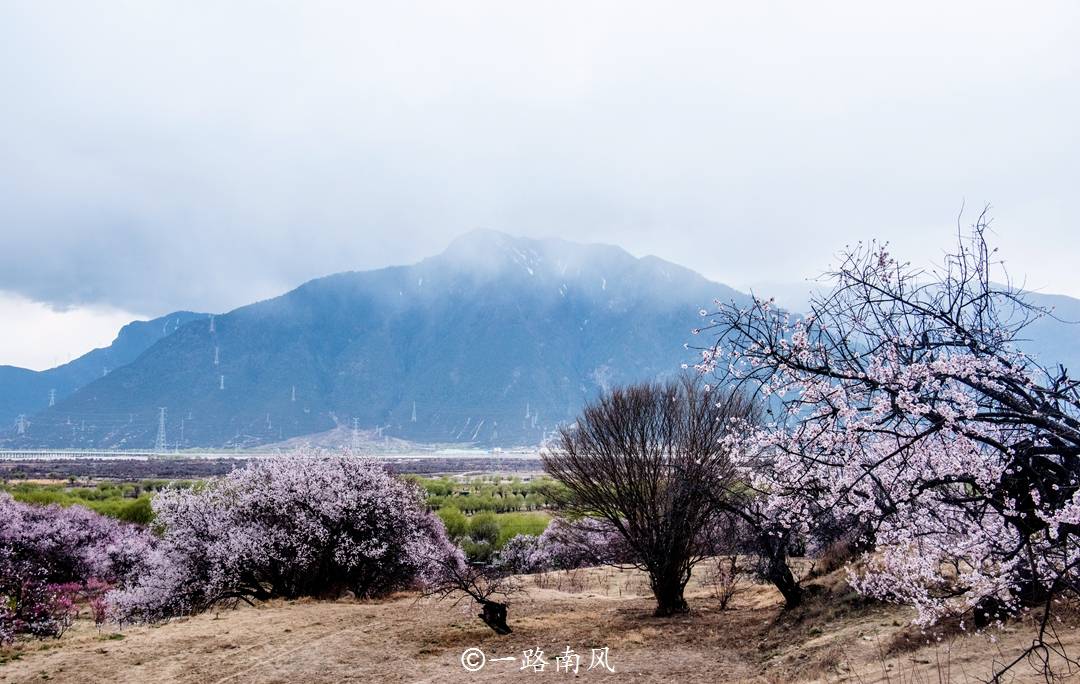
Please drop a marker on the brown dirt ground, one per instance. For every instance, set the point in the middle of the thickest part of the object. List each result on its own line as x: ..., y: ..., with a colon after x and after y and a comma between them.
x: 836, y: 637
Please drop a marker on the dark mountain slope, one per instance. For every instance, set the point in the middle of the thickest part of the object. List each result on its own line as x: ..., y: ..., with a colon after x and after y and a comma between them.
x: 495, y: 341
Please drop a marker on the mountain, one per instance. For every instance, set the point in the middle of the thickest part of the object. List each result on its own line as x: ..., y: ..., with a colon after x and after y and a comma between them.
x: 1054, y: 339
x: 25, y: 392
x: 496, y: 341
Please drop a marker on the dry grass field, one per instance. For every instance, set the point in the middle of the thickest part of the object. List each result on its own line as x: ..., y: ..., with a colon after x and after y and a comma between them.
x: 835, y: 637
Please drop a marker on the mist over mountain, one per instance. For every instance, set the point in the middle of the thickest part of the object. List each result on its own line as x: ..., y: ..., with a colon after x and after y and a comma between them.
x: 496, y: 341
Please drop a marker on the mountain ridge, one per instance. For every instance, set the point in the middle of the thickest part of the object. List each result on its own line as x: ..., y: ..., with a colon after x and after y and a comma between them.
x: 25, y: 392
x: 496, y: 341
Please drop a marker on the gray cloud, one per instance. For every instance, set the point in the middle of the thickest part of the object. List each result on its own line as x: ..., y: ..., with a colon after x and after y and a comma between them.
x: 157, y: 155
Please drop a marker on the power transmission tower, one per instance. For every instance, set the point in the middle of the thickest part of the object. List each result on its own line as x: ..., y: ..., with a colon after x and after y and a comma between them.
x: 216, y: 355
x: 180, y: 444
x: 211, y: 324
x: 414, y: 412
x: 21, y: 424
x: 221, y: 383
x: 355, y: 435
x: 52, y: 397
x: 159, y: 444
x: 294, y: 393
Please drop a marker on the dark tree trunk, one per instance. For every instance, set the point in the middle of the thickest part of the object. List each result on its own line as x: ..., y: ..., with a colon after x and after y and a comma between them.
x: 779, y: 573
x: 669, y: 596
x: 494, y: 616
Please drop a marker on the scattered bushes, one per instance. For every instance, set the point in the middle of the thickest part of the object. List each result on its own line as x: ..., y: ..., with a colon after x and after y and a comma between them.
x: 484, y: 527
x: 491, y: 493
x: 482, y: 535
x: 457, y: 525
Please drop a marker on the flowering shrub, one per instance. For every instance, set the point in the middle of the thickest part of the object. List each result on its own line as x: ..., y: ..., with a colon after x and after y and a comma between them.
x: 28, y: 603
x: 564, y: 545
x: 287, y: 527
x: 70, y: 544
x: 521, y: 555
x: 50, y: 557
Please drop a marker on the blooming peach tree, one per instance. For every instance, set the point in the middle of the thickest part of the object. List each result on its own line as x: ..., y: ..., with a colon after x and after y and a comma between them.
x: 902, y: 403
x: 52, y: 556
x: 285, y: 527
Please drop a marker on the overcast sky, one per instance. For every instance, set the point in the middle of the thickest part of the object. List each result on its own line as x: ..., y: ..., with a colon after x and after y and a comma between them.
x: 201, y: 155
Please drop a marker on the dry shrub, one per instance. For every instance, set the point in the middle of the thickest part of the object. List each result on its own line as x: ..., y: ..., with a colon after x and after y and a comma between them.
x: 722, y: 579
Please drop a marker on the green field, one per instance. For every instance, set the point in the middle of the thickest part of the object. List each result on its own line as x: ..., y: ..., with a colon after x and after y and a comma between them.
x: 129, y: 501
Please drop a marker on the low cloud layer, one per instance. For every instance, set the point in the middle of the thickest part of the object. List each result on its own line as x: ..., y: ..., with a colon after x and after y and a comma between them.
x: 39, y: 337
x: 157, y: 156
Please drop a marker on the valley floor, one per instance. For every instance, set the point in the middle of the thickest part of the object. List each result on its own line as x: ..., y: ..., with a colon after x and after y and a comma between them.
x: 836, y: 637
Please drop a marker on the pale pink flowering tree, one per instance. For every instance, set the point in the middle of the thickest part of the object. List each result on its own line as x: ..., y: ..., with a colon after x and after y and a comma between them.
x: 901, y: 404
x: 285, y: 527
x: 564, y: 545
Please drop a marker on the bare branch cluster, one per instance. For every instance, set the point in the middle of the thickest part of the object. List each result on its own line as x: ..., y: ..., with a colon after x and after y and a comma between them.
x: 653, y: 461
